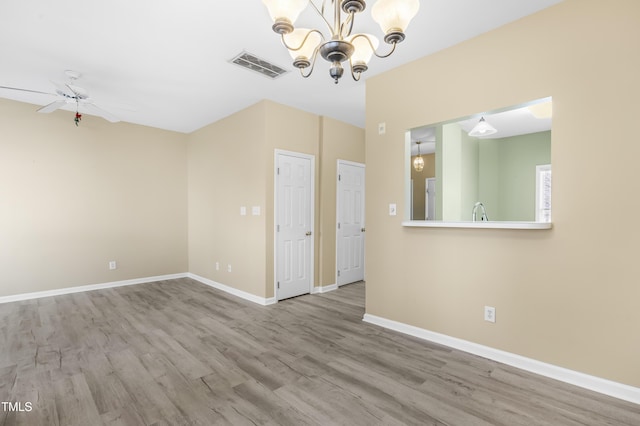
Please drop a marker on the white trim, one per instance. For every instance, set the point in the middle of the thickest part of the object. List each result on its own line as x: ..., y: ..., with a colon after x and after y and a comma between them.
x: 597, y: 384
x: 275, y: 224
x: 352, y: 163
x: 233, y: 291
x: 408, y: 189
x: 478, y: 224
x: 91, y: 287
x: 312, y: 159
x: 324, y: 289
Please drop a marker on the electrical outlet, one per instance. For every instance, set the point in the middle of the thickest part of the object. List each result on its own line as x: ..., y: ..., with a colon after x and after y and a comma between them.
x: 490, y: 313
x: 217, y: 266
x: 243, y: 211
x: 113, y: 265
x: 229, y: 268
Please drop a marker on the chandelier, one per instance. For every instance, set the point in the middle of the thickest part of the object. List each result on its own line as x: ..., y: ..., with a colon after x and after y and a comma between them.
x: 340, y: 44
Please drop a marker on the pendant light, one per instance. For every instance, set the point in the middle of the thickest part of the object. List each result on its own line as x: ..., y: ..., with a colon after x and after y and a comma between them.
x: 418, y: 162
x: 482, y: 129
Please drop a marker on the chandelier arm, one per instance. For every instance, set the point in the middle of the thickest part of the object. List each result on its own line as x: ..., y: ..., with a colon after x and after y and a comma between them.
x: 306, y: 75
x: 313, y: 62
x: 393, y: 49
x: 321, y: 13
x: 373, y: 49
x: 353, y: 75
x: 350, y: 20
x: 337, y: 28
x: 303, y: 41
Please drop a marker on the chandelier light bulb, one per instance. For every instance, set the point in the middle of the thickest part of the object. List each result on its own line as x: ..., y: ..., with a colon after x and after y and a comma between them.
x: 394, y: 16
x: 284, y: 13
x: 418, y: 163
x: 362, y: 48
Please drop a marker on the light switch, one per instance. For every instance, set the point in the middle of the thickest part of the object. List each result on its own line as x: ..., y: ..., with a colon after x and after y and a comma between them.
x: 392, y: 209
x: 382, y: 128
x: 255, y: 210
x: 243, y: 211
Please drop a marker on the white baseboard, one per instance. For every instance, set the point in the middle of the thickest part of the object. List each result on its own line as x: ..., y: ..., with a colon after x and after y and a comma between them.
x: 324, y: 289
x: 597, y: 384
x: 91, y: 287
x: 61, y: 291
x: 234, y: 291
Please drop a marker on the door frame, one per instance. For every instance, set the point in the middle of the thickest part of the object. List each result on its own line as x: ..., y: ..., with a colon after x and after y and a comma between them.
x: 364, y: 213
x: 312, y: 198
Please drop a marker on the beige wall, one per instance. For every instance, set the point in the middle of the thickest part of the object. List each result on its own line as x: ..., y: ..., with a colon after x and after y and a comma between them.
x: 339, y: 141
x: 291, y: 130
x: 567, y: 296
x: 231, y: 164
x: 74, y: 198
x: 227, y: 167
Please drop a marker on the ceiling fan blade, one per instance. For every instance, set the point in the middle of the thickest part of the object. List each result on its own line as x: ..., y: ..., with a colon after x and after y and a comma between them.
x: 27, y: 90
x: 100, y: 112
x: 52, y: 106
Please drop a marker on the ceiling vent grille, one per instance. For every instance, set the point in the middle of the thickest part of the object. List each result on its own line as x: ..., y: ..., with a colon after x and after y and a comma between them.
x: 253, y: 63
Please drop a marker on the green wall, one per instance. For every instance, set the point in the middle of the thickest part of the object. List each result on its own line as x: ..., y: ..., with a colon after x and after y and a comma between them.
x: 507, y: 166
x: 469, y: 174
x: 500, y: 173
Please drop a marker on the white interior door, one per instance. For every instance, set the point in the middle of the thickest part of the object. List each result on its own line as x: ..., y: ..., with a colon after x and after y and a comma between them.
x: 543, y: 193
x: 430, y: 198
x: 350, y: 222
x: 294, y: 224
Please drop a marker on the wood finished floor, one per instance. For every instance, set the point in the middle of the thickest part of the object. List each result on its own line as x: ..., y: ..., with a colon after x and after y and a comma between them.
x: 180, y: 353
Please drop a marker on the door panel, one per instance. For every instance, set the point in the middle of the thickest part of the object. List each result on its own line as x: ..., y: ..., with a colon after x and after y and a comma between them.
x: 351, y: 226
x: 430, y: 196
x: 294, y: 225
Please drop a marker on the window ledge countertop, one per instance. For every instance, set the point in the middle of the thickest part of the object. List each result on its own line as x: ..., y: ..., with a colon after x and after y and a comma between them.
x: 478, y: 224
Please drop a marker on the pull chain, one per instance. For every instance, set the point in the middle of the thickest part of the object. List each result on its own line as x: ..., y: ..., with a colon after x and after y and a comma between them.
x: 78, y: 116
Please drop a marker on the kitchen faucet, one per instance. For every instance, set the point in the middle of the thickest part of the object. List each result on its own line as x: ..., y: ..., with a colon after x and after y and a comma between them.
x: 483, y: 217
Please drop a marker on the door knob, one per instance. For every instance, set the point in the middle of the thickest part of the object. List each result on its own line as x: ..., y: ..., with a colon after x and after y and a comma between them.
x: 308, y: 233
x: 362, y: 230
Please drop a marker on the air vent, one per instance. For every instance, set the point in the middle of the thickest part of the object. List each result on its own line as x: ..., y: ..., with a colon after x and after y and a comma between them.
x: 253, y: 63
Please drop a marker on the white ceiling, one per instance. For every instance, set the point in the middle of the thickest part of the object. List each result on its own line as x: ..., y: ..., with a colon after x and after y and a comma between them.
x: 164, y: 63
x: 509, y: 121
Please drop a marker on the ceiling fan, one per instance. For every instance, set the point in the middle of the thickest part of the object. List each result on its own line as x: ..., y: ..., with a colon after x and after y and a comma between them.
x: 70, y: 93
